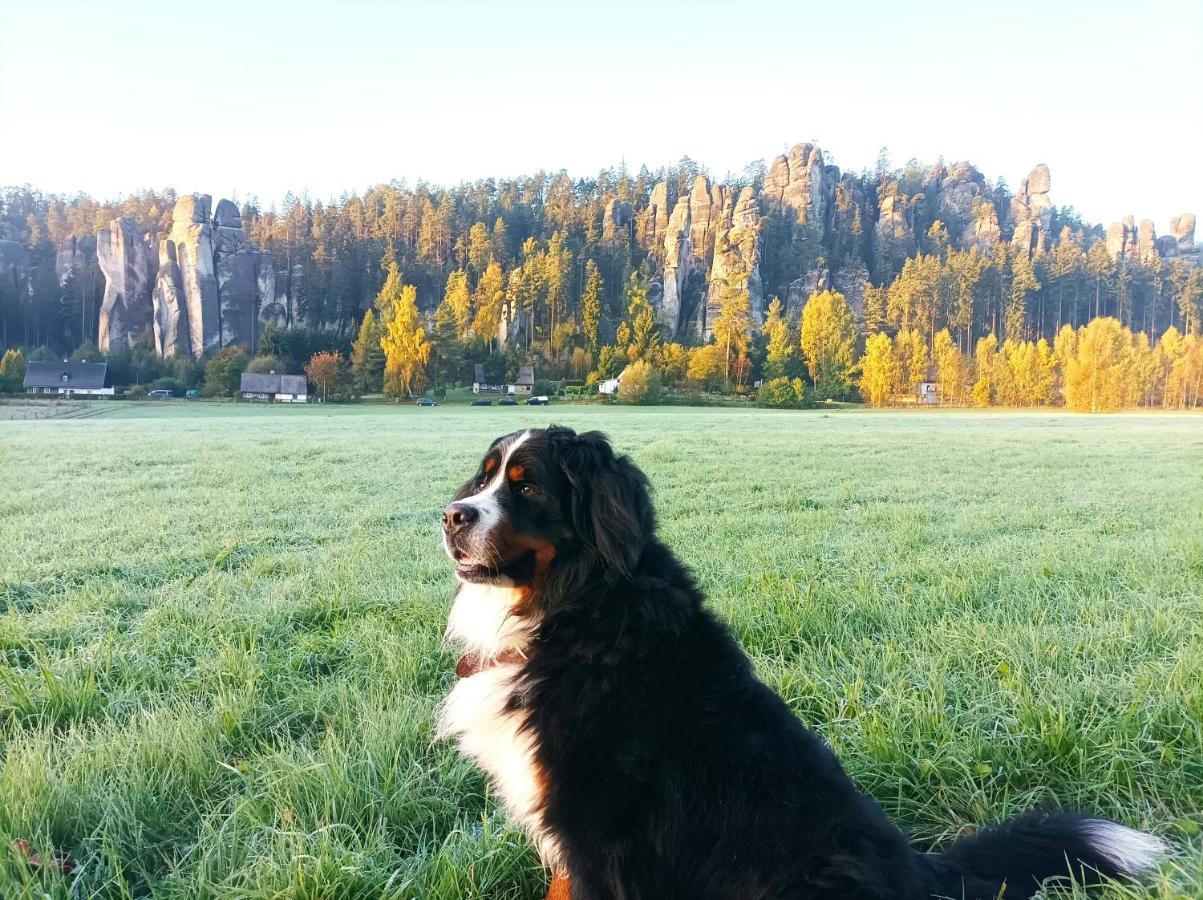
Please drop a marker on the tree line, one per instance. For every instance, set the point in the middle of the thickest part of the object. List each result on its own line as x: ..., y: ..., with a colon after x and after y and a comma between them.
x: 409, y: 286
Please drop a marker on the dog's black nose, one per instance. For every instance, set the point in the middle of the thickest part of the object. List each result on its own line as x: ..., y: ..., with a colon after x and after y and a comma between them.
x: 458, y: 516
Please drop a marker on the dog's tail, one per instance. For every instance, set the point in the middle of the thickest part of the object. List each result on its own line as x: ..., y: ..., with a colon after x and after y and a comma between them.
x: 1020, y: 854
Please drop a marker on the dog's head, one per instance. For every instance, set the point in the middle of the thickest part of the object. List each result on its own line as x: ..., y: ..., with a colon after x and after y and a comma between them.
x: 546, y: 500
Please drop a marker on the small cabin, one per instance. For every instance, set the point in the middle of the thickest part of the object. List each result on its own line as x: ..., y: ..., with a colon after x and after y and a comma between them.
x: 480, y: 384
x: 927, y: 394
x: 69, y: 379
x: 273, y: 388
x: 524, y: 383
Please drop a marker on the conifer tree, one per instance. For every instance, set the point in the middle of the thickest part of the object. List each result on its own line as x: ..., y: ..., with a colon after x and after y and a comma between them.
x: 367, y: 356
x: 591, y: 301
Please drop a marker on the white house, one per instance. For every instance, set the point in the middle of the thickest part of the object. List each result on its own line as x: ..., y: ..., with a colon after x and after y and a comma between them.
x: 81, y: 379
x: 524, y: 383
x: 273, y: 388
x: 609, y: 387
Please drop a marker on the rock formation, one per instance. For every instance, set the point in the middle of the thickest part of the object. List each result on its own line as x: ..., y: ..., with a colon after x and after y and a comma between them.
x: 690, y: 237
x: 893, y: 215
x: 616, y: 220
x: 678, y: 262
x: 1032, y: 211
x: 1121, y: 238
x: 799, y: 181
x: 172, y: 335
x: 192, y: 237
x: 126, y: 311
x: 1146, y: 240
x: 653, y: 221
x: 212, y: 286
x: 962, y: 204
x: 736, y: 260
x: 1182, y: 228
x: 70, y: 256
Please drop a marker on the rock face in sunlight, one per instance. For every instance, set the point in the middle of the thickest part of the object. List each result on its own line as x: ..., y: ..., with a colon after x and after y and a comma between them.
x: 172, y: 337
x: 800, y: 182
x: 126, y: 311
x: 690, y: 237
x: 213, y: 289
x: 1146, y: 240
x: 616, y: 220
x: 736, y: 260
x: 963, y: 205
x: 192, y: 235
x: 1182, y: 229
x: 1121, y: 239
x: 1032, y: 211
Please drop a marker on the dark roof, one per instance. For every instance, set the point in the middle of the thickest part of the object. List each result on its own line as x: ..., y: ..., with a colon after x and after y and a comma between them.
x: 273, y: 383
x: 294, y: 384
x: 77, y: 375
x: 526, y: 375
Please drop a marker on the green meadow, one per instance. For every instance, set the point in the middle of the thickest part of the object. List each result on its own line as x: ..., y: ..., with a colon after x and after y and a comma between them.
x: 220, y: 630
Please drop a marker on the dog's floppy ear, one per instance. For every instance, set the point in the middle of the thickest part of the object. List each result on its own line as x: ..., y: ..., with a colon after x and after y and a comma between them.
x: 611, y: 501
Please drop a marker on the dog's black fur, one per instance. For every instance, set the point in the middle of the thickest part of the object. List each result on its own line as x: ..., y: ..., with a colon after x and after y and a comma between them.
x: 671, y: 771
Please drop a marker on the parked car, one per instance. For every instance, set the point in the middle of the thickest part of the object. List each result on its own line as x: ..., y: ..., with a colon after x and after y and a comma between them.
x: 426, y: 401
x: 541, y: 400
x: 482, y: 401
x: 160, y: 394
x: 508, y: 400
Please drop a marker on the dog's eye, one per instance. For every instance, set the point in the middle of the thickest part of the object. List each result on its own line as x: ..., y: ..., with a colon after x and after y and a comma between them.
x: 529, y: 490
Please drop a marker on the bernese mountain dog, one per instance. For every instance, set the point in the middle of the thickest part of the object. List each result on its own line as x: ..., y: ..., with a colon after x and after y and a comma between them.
x: 623, y: 726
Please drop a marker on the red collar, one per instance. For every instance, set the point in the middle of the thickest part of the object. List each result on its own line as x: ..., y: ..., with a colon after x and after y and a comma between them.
x: 471, y: 663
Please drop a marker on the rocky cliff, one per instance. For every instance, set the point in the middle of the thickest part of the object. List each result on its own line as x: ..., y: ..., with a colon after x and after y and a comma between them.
x: 124, y: 257
x: 204, y: 288
x: 1032, y: 211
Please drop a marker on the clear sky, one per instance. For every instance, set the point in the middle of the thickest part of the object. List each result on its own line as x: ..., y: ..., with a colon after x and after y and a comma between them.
x: 258, y: 98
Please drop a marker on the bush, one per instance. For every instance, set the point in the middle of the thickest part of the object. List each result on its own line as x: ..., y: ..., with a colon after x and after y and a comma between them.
x: 781, y: 393
x: 136, y: 392
x: 639, y: 383
x: 167, y: 383
x: 223, y: 373
x: 265, y: 365
x: 12, y: 372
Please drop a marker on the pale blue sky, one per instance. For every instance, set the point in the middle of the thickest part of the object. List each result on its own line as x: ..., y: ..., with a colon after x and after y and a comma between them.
x: 262, y: 97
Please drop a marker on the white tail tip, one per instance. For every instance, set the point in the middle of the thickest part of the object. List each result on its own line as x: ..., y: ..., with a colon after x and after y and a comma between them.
x: 1128, y: 850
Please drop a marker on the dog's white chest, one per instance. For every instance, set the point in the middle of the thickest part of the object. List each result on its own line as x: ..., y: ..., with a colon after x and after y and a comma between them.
x: 477, y: 713
x: 477, y: 716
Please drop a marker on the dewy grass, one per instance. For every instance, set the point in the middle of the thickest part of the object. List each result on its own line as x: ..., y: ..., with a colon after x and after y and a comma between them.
x: 220, y: 630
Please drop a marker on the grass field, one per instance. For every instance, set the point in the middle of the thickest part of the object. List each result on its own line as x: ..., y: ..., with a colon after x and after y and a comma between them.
x: 220, y: 630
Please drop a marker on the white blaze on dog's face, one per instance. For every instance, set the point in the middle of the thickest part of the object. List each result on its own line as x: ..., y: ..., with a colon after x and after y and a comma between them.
x: 505, y: 524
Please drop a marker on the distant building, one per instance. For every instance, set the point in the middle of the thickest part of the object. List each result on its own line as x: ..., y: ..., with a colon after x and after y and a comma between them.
x: 480, y: 384
x: 609, y: 387
x: 926, y: 394
x: 524, y: 383
x: 70, y: 379
x: 273, y: 388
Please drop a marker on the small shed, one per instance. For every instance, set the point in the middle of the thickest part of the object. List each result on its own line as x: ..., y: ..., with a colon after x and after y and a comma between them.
x: 69, y: 379
x: 927, y: 394
x: 273, y: 388
x: 609, y: 387
x: 524, y: 383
